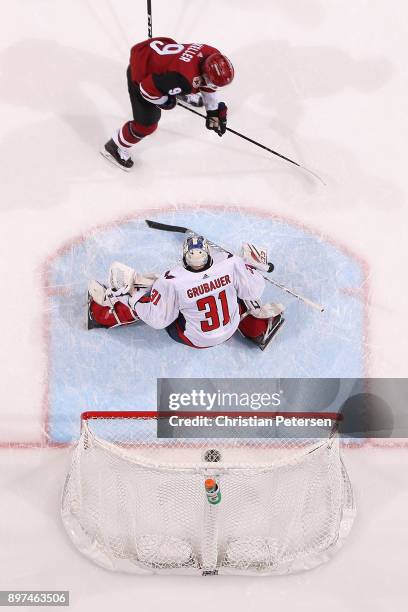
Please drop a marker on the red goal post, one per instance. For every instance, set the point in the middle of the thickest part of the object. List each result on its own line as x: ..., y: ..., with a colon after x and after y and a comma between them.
x: 238, y: 425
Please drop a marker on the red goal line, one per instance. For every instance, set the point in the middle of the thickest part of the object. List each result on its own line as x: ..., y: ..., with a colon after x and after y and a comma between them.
x: 150, y: 414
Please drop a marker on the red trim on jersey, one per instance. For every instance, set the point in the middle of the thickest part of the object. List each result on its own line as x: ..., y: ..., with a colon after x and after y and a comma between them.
x: 150, y: 92
x: 184, y: 338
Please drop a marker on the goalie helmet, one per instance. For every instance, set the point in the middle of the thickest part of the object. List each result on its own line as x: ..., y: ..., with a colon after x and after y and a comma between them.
x: 196, y: 253
x: 218, y: 70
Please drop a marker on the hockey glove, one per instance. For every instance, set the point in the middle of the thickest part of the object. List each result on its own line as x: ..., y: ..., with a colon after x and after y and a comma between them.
x: 217, y: 119
x: 169, y: 104
x: 263, y: 311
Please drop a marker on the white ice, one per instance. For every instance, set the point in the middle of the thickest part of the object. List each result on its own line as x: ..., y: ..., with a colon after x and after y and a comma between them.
x: 322, y: 82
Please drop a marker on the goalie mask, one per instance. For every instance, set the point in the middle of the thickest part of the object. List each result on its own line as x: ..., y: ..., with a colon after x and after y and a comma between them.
x: 196, y: 253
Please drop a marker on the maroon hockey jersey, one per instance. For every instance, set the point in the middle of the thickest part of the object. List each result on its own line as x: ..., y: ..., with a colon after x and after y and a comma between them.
x: 162, y: 67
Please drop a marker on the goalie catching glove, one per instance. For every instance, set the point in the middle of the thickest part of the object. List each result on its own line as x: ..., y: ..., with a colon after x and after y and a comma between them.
x: 256, y: 257
x: 217, y: 119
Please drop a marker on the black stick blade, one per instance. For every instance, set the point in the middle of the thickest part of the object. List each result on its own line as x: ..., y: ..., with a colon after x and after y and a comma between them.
x: 165, y: 227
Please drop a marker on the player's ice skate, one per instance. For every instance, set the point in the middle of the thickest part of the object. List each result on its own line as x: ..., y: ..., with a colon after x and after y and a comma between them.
x: 117, y: 155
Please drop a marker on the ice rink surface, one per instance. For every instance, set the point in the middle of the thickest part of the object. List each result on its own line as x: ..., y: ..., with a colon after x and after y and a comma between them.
x: 322, y: 82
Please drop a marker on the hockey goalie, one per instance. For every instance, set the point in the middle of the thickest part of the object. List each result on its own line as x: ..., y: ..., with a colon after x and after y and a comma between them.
x: 201, y: 302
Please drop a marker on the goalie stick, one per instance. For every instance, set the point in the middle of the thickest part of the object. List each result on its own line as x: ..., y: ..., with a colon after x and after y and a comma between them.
x: 185, y: 230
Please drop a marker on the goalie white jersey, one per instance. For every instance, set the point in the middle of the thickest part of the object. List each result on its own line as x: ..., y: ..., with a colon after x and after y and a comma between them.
x: 204, y: 304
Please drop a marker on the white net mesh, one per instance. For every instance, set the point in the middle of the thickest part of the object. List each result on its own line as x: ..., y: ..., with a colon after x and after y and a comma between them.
x: 138, y: 503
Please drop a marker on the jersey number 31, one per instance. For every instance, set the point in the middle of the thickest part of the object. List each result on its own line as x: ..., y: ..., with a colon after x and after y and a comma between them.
x: 211, y: 307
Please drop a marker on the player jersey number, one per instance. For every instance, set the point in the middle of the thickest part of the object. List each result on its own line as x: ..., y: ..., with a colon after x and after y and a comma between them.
x: 212, y: 315
x: 155, y: 297
x: 169, y: 49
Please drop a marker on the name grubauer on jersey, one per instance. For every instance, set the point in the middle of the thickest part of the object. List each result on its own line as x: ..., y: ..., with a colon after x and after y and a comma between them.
x: 207, y: 299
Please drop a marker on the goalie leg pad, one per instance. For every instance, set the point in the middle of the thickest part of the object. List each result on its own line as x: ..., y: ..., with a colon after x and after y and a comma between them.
x: 259, y: 323
x: 260, y: 331
x: 252, y: 327
x: 104, y: 316
x: 97, y: 293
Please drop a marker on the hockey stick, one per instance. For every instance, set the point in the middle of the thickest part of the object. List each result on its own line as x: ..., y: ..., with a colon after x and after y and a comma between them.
x: 258, y: 144
x: 149, y: 19
x: 185, y: 230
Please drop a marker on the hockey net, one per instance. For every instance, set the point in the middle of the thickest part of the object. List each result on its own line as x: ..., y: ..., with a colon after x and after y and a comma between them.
x: 137, y: 503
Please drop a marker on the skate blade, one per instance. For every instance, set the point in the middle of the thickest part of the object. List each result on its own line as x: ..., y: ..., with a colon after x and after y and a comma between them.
x: 113, y: 161
x: 273, y: 333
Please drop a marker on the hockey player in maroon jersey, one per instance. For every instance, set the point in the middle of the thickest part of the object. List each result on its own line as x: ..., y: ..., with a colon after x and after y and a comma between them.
x: 160, y: 70
x: 201, y: 302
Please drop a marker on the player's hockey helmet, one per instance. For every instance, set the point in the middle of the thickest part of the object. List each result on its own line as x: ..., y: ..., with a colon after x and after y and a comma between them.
x: 196, y: 252
x: 218, y: 70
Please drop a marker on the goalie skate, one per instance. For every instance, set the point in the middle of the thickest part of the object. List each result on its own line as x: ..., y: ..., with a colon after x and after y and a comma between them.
x: 273, y: 327
x: 96, y: 293
x: 117, y: 156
